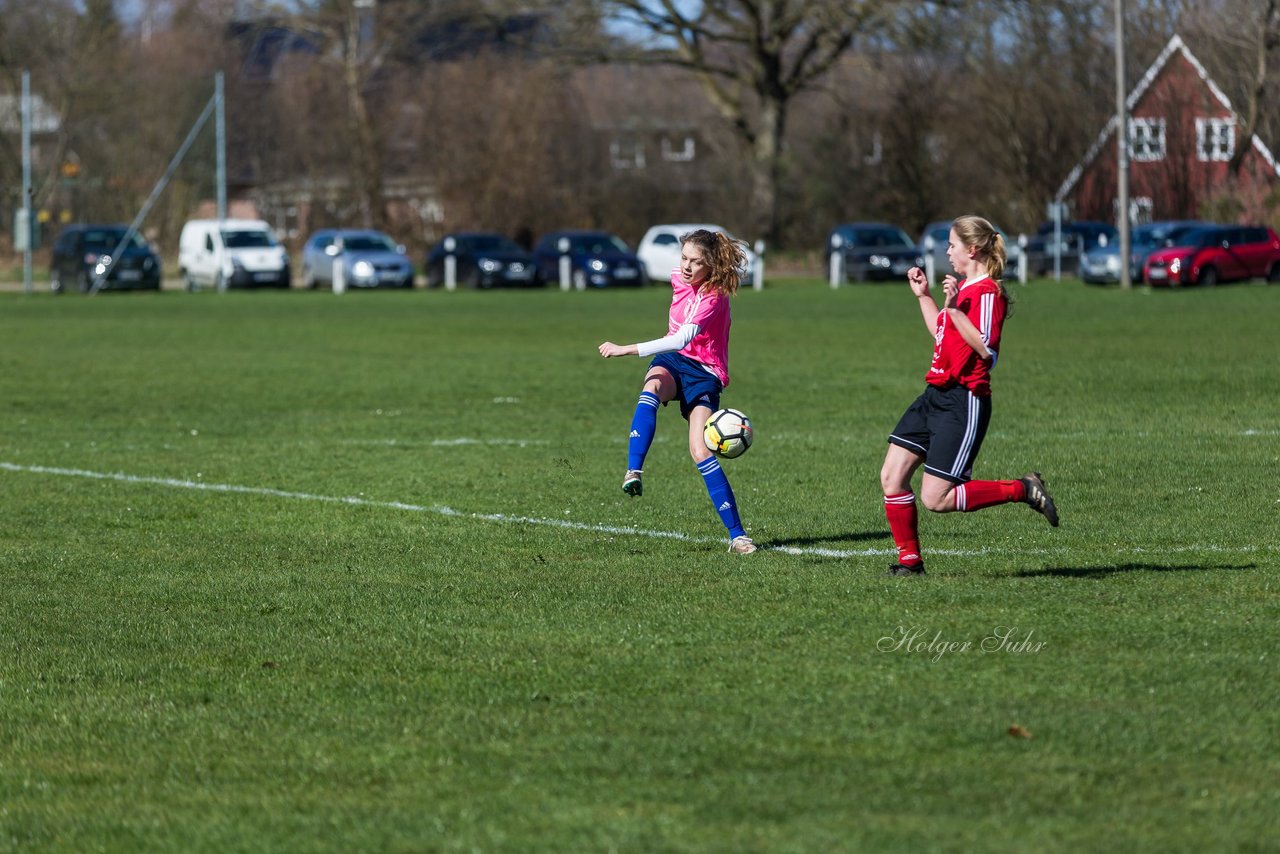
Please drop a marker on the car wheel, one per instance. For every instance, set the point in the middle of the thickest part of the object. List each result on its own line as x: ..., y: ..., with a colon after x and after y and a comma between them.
x: 192, y: 285
x: 1208, y: 276
x: 471, y: 279
x: 55, y: 281
x: 579, y: 280
x: 83, y: 282
x: 1273, y: 276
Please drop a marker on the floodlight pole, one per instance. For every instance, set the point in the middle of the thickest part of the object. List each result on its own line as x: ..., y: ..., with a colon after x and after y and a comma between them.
x: 220, y: 123
x: 26, y: 223
x: 1122, y: 151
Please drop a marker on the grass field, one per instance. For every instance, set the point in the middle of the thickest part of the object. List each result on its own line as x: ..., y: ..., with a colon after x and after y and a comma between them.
x: 293, y: 572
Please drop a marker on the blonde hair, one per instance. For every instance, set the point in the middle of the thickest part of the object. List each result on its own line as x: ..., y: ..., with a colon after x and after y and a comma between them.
x: 976, y: 233
x: 725, y: 256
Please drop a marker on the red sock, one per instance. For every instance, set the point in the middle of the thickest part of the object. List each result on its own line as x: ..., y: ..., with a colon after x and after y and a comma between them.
x: 977, y: 494
x: 900, y: 510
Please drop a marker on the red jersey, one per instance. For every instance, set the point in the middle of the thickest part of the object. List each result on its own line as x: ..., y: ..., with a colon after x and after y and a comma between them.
x: 954, y: 361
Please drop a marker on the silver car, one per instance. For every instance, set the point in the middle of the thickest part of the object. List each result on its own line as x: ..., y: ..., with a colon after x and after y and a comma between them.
x: 370, y: 259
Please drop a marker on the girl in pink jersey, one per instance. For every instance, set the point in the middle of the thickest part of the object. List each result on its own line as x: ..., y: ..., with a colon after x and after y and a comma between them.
x: 943, y: 429
x: 692, y: 363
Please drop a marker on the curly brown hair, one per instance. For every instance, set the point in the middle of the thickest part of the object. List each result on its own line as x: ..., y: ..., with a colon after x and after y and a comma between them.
x: 726, y: 257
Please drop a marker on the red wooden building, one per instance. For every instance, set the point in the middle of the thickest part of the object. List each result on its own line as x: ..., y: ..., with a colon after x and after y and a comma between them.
x: 1182, y: 134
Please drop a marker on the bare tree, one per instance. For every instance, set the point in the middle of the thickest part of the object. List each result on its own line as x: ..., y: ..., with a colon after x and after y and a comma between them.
x: 753, y: 57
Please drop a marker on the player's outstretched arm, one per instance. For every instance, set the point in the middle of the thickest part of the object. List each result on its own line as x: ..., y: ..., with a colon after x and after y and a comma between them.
x: 608, y: 349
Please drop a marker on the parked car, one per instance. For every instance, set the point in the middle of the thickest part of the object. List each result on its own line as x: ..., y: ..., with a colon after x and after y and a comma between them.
x: 941, y: 233
x: 1217, y: 253
x: 237, y: 253
x: 874, y: 250
x: 484, y: 260
x: 370, y: 259
x: 83, y: 252
x: 597, y: 259
x: 659, y: 249
x: 1075, y: 238
x: 1101, y: 264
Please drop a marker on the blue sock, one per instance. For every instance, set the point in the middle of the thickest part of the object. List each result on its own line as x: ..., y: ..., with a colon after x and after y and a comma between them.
x: 643, y: 425
x: 721, y: 495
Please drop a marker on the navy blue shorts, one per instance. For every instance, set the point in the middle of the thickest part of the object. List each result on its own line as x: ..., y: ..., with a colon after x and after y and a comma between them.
x: 946, y: 427
x: 695, y: 385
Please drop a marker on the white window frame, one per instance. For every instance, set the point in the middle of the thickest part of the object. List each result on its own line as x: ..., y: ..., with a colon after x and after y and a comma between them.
x: 1215, y: 139
x: 873, y: 154
x: 1147, y: 140
x: 626, y: 154
x: 679, y: 155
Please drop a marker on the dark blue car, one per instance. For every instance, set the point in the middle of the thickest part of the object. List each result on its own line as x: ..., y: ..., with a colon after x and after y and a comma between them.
x: 597, y: 259
x: 483, y: 260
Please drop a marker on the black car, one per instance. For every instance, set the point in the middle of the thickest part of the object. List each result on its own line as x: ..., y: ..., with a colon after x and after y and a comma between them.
x: 1076, y: 237
x: 597, y: 259
x: 873, y: 250
x: 484, y: 260
x: 82, y: 253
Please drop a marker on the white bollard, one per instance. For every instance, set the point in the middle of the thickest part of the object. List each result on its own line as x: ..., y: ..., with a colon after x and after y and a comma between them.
x: 836, y: 273
x: 339, y: 276
x: 757, y: 274
x: 929, y: 265
x: 1022, y: 258
x: 565, y: 265
x: 450, y: 265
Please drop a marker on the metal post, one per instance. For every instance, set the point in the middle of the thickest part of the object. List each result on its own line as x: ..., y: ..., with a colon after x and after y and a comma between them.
x: 220, y: 123
x: 450, y: 264
x: 757, y: 274
x: 836, y: 272
x: 565, y: 264
x: 1057, y: 242
x: 1022, y: 258
x: 1122, y: 150
x: 27, y: 213
x: 929, y: 264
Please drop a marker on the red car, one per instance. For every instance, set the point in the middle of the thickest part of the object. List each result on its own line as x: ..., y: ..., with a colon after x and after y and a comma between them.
x: 1217, y: 253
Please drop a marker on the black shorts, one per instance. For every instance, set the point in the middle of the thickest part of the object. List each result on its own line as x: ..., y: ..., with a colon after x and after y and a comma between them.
x: 947, y: 429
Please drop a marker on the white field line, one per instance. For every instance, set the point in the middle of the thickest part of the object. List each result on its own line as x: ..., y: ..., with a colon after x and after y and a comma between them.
x: 438, y: 510
x: 503, y: 518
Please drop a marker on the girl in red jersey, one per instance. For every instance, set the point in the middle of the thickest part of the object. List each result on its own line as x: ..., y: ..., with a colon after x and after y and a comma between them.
x: 943, y: 429
x: 691, y: 362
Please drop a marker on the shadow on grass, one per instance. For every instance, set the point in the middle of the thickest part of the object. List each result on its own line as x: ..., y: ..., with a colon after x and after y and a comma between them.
x: 833, y: 538
x: 1103, y: 571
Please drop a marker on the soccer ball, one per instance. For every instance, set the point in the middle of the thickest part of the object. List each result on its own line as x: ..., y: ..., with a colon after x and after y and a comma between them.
x: 728, y: 433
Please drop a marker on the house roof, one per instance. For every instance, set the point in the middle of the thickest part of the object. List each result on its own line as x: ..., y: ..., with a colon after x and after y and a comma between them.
x: 1175, y: 46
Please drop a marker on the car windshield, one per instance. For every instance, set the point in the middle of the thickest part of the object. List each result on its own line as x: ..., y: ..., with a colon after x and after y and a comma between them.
x: 879, y: 237
x: 596, y: 244
x: 1199, y: 237
x: 490, y: 243
x: 106, y: 239
x: 368, y: 243
x: 247, y: 239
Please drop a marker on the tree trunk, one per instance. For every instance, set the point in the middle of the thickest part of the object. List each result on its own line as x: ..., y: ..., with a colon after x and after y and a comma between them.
x: 766, y: 169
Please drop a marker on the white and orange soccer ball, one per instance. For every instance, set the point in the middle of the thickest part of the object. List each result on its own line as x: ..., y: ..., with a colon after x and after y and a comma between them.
x: 728, y: 433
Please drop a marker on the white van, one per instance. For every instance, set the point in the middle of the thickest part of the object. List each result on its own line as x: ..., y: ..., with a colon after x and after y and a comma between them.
x: 231, y: 253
